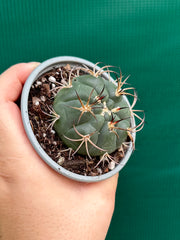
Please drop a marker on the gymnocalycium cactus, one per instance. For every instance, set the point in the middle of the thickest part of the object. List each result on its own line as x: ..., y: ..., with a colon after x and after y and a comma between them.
x: 91, y: 114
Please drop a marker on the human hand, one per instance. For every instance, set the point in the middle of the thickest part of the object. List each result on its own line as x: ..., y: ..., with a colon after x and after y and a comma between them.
x: 36, y: 202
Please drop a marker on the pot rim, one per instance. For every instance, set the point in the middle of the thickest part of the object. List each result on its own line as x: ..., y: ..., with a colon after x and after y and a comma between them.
x: 42, y: 68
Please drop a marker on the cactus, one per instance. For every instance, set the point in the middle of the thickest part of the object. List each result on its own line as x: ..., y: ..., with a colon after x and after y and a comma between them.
x: 92, y: 116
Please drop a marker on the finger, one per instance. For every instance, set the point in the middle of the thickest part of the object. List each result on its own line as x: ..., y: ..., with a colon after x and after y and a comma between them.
x: 106, y: 187
x: 109, y: 186
x: 12, y: 80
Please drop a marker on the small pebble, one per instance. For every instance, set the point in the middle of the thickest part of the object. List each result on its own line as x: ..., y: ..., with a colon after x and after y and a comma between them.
x: 53, y: 85
x: 111, y: 165
x: 61, y: 160
x: 43, y: 98
x: 99, y: 170
x: 52, y: 79
x: 57, y: 73
x: 44, y: 134
x: 43, y: 79
x: 35, y: 101
x: 39, y: 83
x: 52, y: 131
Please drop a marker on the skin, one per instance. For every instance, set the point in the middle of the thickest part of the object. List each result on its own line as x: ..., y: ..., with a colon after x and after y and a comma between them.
x: 36, y: 202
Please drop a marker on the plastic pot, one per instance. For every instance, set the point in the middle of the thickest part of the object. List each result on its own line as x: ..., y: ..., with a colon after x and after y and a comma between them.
x: 42, y: 68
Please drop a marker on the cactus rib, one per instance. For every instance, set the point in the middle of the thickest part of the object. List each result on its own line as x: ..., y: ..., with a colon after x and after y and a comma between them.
x: 85, y: 139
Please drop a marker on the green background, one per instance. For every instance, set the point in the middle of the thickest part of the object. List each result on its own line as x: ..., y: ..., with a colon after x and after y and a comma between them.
x: 143, y: 38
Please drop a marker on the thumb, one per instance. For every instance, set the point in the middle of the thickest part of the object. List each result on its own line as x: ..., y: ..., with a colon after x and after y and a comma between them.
x: 11, y: 83
x: 12, y: 80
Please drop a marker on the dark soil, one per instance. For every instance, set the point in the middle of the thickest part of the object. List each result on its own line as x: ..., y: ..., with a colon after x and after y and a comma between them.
x: 41, y: 98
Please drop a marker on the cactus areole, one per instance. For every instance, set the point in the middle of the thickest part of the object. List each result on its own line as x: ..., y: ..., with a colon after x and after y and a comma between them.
x: 93, y: 117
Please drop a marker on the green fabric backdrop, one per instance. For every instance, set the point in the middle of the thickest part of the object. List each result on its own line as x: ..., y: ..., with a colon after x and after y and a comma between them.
x: 143, y: 38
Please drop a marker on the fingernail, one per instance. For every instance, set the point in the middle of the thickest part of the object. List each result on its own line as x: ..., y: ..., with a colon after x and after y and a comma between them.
x: 34, y: 64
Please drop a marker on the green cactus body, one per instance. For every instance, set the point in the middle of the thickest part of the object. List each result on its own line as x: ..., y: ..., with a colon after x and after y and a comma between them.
x: 103, y: 124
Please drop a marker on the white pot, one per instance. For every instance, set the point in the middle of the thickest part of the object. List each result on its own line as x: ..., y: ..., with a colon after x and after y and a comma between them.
x: 42, y: 68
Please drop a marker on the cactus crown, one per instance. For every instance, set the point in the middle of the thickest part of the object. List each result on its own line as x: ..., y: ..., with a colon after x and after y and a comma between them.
x: 92, y: 116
